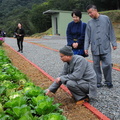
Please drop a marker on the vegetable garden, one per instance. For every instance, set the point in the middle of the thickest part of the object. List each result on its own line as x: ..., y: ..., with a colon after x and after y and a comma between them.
x: 21, y: 99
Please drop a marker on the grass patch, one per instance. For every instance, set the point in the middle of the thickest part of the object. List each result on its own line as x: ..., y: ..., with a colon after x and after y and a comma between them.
x: 39, y: 35
x: 114, y: 15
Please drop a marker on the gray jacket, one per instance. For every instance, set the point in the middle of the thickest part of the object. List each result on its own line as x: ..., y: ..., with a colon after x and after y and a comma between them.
x: 99, y: 33
x: 79, y: 70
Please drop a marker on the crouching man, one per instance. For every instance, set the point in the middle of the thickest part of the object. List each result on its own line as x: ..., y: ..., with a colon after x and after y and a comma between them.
x: 78, y: 76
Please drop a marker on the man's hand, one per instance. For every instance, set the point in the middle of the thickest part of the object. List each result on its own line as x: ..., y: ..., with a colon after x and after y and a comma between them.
x: 57, y: 80
x: 114, y: 47
x: 47, y: 91
x: 86, y: 52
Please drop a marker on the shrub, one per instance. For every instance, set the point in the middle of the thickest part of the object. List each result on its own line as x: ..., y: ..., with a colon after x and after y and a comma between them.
x: 1, y: 40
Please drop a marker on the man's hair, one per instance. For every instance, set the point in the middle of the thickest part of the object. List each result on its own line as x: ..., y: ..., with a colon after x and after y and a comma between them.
x: 77, y: 13
x: 91, y: 6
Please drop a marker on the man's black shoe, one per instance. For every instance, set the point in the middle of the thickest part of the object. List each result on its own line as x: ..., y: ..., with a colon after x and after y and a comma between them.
x: 109, y: 85
x: 99, y: 85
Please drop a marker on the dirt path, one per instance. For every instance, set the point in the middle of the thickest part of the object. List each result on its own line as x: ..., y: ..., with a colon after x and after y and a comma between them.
x: 71, y: 110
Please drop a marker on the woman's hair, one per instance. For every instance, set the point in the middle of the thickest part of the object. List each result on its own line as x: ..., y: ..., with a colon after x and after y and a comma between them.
x: 20, y: 24
x: 77, y: 13
x: 91, y: 6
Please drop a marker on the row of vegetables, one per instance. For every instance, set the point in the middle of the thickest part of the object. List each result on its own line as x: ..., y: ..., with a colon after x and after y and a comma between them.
x: 20, y: 99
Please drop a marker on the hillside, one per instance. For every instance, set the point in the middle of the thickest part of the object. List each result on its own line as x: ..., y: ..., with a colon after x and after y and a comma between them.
x: 14, y: 11
x: 30, y: 13
x: 115, y: 18
x: 9, y: 6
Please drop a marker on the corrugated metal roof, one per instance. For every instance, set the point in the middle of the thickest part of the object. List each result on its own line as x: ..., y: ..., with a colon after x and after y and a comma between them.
x: 55, y: 11
x: 50, y: 12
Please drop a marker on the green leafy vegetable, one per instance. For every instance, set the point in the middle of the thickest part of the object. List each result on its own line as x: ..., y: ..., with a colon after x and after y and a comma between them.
x: 46, y: 107
x: 40, y: 98
x: 32, y: 91
x: 15, y: 101
x: 1, y: 108
x: 2, y: 89
x: 53, y: 116
x: 21, y: 110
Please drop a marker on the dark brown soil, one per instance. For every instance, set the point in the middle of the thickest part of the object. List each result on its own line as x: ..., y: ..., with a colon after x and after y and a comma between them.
x: 71, y: 110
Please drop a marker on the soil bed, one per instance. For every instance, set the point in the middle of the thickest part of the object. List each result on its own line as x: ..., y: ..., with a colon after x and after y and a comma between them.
x: 71, y: 110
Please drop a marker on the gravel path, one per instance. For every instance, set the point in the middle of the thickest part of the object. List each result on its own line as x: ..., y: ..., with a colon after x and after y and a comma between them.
x: 108, y: 100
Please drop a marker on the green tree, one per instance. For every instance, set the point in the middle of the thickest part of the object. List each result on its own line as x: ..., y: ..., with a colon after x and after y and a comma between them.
x: 32, y: 18
x: 40, y: 21
x: 14, y: 11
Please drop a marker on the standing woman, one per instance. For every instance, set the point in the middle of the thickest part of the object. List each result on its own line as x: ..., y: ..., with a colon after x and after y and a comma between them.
x: 76, y: 34
x: 19, y: 32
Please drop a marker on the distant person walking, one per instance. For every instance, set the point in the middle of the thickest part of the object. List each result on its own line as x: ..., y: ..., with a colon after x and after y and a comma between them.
x: 19, y: 32
x: 3, y: 33
x: 100, y: 34
x: 76, y: 33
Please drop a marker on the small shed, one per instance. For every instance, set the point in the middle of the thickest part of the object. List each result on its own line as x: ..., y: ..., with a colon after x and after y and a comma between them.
x: 60, y: 20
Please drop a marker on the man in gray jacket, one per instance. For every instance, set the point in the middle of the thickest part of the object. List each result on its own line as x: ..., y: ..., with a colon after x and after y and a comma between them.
x: 78, y: 76
x: 100, y: 34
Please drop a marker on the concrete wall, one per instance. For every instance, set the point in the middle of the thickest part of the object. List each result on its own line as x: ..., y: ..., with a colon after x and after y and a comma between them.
x: 65, y: 18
